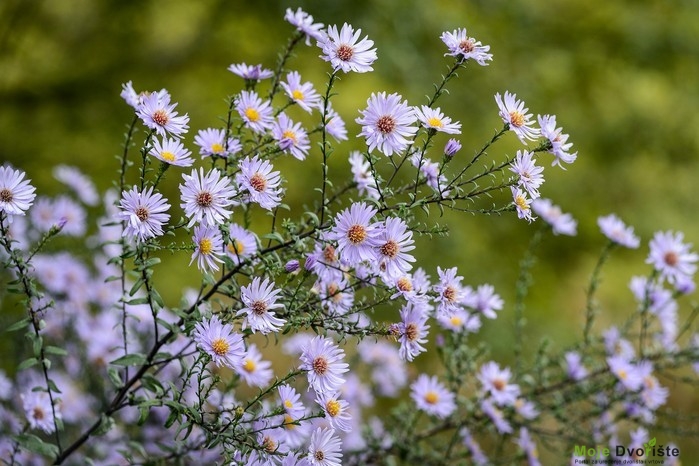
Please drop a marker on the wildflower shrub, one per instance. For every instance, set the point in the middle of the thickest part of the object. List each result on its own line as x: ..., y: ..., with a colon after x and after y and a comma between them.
x: 112, y: 374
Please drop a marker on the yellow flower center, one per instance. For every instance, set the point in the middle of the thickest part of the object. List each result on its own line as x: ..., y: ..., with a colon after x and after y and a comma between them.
x: 455, y: 321
x: 516, y: 119
x: 521, y: 202
x: 623, y: 374
x: 216, y: 148
x: 390, y: 249
x: 252, y: 114
x: 249, y: 365
x: 289, y: 422
x: 297, y: 95
x: 288, y: 134
x: 333, y: 407
x: 167, y: 156
x: 356, y: 234
x: 404, y: 284
x: 288, y: 404
x: 236, y: 247
x: 206, y: 246
x: 435, y: 122
x: 431, y: 397
x: 220, y: 346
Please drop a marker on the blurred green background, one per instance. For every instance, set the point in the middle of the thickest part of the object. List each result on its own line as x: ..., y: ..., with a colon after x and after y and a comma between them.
x: 620, y: 75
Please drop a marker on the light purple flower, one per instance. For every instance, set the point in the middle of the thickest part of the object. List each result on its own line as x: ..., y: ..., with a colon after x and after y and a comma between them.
x: 522, y: 204
x: 250, y: 72
x: 559, y: 146
x: 450, y: 294
x: 361, y: 171
x: 303, y: 94
x: 304, y: 23
x: 78, y: 182
x: 336, y: 411
x: 574, y: 367
x: 144, y: 213
x: 614, y: 229
x: 39, y: 411
x: 323, y: 361
x: 205, y: 197
x: 356, y: 236
x: 260, y: 183
x: 394, y: 241
x: 452, y: 147
x: 212, y: 142
x: 433, y: 118
x: 343, y: 51
x: 561, y: 223
x: 672, y: 257
x: 432, y: 397
x: 290, y: 137
x: 156, y: 112
x: 253, y: 369
x: 220, y: 342
x: 256, y: 114
x: 243, y: 243
x: 387, y: 123
x: 530, y: 175
x: 260, y: 298
x: 412, y: 331
x: 514, y: 113
x: 172, y: 152
x: 485, y: 301
x: 460, y: 45
x: 208, y: 247
x: 325, y: 448
x: 16, y: 194
x: 335, y: 125
x: 496, y: 382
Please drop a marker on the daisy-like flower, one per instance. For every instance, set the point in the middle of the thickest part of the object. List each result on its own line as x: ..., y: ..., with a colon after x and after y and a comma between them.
x: 433, y: 118
x: 291, y: 401
x: 243, y: 243
x: 159, y: 114
x: 336, y: 411
x: 172, y: 152
x: 387, y: 123
x: 144, y: 213
x: 671, y: 256
x: 40, y: 414
x: 356, y: 236
x: 219, y: 341
x: 304, y: 95
x: 250, y: 72
x: 560, y: 146
x: 290, y: 137
x: 496, y: 381
x: 253, y: 369
x: 485, y: 301
x: 325, y: 449
x: 614, y: 229
x: 514, y: 113
x: 335, y: 294
x: 130, y: 96
x: 208, y: 247
x: 212, y: 142
x: 304, y: 23
x: 361, y: 171
x: 451, y: 294
x: 70, y: 214
x: 460, y: 45
x: 78, y: 182
x: 412, y: 331
x: 16, y: 194
x: 451, y: 148
x: 335, y: 125
x: 477, y: 454
x: 256, y: 114
x: 324, y: 362
x: 460, y: 321
x: 627, y: 373
x: 393, y: 243
x: 561, y: 224
x: 522, y: 204
x: 530, y: 175
x: 259, y: 299
x: 431, y: 171
x: 205, y: 197
x: 574, y: 366
x: 525, y: 442
x: 344, y: 52
x: 261, y: 183
x: 324, y: 262
x: 432, y: 397
x: 496, y: 416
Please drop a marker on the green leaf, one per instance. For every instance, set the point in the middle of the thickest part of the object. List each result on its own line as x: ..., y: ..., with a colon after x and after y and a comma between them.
x: 56, y: 350
x: 115, y: 377
x: 106, y: 424
x: 133, y: 359
x: 19, y: 325
x: 36, y: 445
x: 27, y: 363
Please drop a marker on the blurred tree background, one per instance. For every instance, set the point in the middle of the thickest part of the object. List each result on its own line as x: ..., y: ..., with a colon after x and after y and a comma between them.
x: 620, y: 75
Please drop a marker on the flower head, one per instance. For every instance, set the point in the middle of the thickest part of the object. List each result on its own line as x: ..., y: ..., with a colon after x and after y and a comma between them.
x: 250, y: 72
x: 355, y: 234
x: 343, y: 51
x: 205, y: 197
x: 304, y: 23
x: 243, y: 243
x: 451, y: 296
x: 16, y: 194
x: 560, y: 146
x: 452, y: 147
x: 256, y: 114
x: 361, y: 171
x: 514, y: 113
x: 260, y: 182
x: 219, y: 341
x: 432, y: 397
x: 671, y: 256
x: 496, y: 382
x: 335, y: 125
x: 522, y: 204
x: 253, y: 369
x: 40, y: 412
x: 412, y: 331
x: 324, y: 362
x: 78, y: 182
x: 208, y: 247
x: 303, y: 94
x: 394, y: 242
x: 144, y: 213
x: 336, y: 411
x: 260, y: 298
x: 156, y: 112
x: 387, y: 123
x: 561, y: 224
x: 460, y: 45
x: 172, y: 152
x: 613, y: 228
x: 290, y: 137
x: 433, y: 118
x: 325, y: 449
x: 212, y: 142
x: 530, y: 175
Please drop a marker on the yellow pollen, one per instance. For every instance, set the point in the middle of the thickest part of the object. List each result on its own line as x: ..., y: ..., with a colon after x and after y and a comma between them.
x: 216, y: 148
x: 236, y: 247
x: 516, y: 119
x: 356, y: 234
x: 333, y: 407
x: 220, y: 346
x: 521, y: 202
x: 455, y: 321
x: 435, y: 122
x: 404, y: 284
x: 297, y: 95
x: 623, y: 374
x: 390, y: 249
x: 249, y: 365
x: 288, y: 134
x: 167, y: 156
x: 289, y: 422
x: 252, y: 114
x: 206, y: 246
x: 431, y: 397
x: 288, y: 404
x: 258, y: 182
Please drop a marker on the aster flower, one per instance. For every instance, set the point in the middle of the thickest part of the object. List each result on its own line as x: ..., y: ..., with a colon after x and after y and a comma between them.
x: 323, y: 361
x: 304, y: 95
x: 39, y: 411
x: 261, y: 183
x: 325, y: 449
x: 336, y: 295
x: 514, y: 113
x: 130, y: 96
x: 259, y: 299
x: 220, y: 342
x: 304, y: 23
x: 431, y: 171
x: 290, y: 137
x: 557, y: 139
x: 212, y: 142
x: 324, y: 262
x: 627, y: 373
x: 653, y: 394
x: 460, y: 45
x: 356, y: 236
x: 243, y: 243
x: 335, y: 125
x: 561, y: 223
x: 253, y: 369
x: 451, y: 148
x: 394, y: 241
x: 412, y: 331
x: 485, y: 301
x: 78, y: 182
x: 159, y: 114
x: 496, y: 416
x: 336, y: 411
x: 476, y: 453
x: 433, y: 118
x: 574, y: 367
x: 613, y: 228
x: 525, y: 442
x: 361, y: 171
x: 291, y: 400
x: 172, y: 152
x: 256, y: 114
x: 450, y: 293
x: 16, y: 194
x: 344, y: 52
x: 250, y: 72
x: 526, y: 409
x: 144, y: 213
x: 460, y: 321
x: 69, y: 215
x: 670, y: 256
x: 530, y: 175
x: 522, y: 204
x: 495, y: 381
x: 208, y: 247
x: 205, y: 197
x: 387, y: 123
x: 432, y: 397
